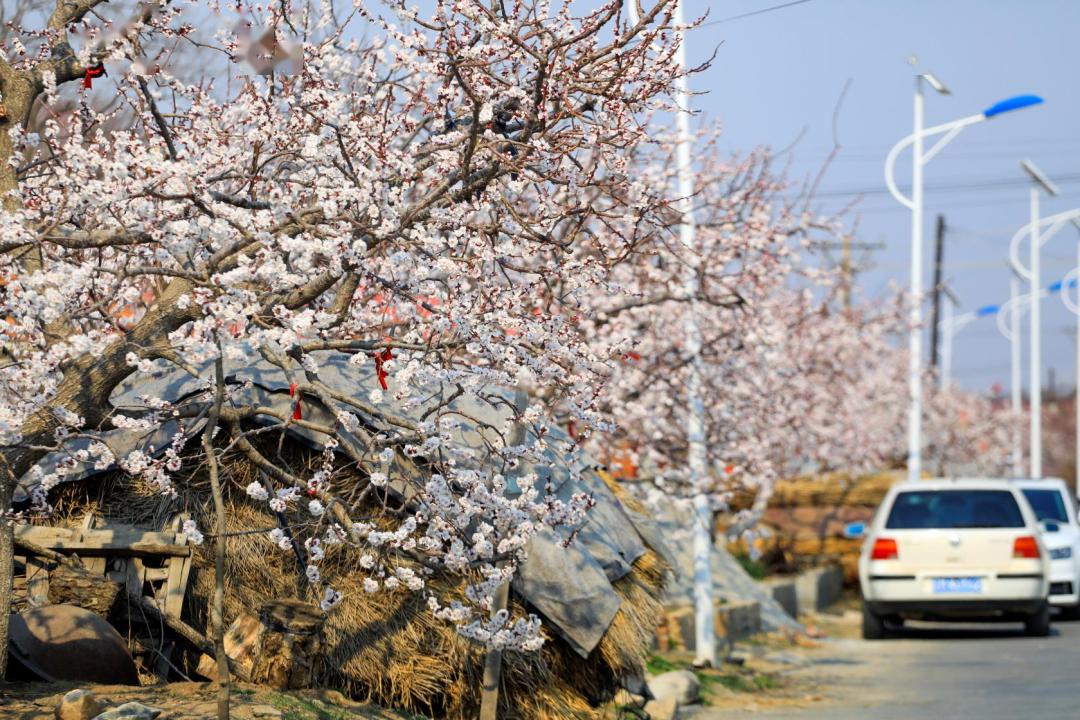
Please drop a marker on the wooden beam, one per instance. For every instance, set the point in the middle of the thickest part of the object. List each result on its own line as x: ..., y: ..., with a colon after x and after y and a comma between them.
x: 177, y: 625
x: 104, y: 543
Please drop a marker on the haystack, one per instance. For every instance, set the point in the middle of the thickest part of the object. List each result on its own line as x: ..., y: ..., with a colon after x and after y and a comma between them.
x: 600, y: 599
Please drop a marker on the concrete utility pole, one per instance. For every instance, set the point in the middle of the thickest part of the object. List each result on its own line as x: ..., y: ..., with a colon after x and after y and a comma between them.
x: 702, y: 519
x: 939, y: 251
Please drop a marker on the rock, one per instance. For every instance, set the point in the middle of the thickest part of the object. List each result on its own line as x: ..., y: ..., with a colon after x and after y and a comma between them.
x: 625, y: 698
x: 665, y: 709
x: 636, y: 685
x: 265, y: 711
x: 78, y: 705
x: 681, y: 685
x: 130, y: 711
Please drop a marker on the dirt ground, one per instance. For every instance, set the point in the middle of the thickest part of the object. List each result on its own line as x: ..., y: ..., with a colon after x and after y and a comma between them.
x: 771, y: 673
x: 192, y: 701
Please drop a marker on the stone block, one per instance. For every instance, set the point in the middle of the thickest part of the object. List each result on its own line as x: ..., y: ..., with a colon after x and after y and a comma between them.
x: 819, y: 588
x: 784, y: 592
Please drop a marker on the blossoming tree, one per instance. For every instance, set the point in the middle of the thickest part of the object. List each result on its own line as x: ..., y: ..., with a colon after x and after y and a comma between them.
x: 424, y: 201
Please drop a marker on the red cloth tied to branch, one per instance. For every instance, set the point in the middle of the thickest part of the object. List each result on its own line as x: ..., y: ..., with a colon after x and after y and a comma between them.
x: 93, y: 72
x: 380, y: 358
x: 296, y: 408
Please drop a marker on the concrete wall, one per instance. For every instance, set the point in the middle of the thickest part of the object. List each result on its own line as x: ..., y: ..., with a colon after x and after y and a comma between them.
x: 784, y: 592
x: 819, y: 588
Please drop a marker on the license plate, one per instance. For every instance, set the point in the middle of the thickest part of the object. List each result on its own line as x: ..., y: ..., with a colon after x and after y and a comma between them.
x: 957, y: 585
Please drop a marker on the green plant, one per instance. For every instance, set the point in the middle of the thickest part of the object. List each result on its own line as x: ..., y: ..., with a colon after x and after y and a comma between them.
x: 754, y: 568
x: 657, y: 664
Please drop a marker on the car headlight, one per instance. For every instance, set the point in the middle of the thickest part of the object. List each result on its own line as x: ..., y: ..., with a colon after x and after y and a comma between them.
x: 1061, y: 553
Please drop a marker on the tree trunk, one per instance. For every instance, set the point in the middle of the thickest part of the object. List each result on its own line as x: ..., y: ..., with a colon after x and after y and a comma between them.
x: 7, y: 567
x: 218, y: 613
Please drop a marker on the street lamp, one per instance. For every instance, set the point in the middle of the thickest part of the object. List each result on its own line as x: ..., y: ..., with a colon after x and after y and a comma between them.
x: 953, y: 325
x: 1071, y: 280
x: 1035, y: 378
x: 1038, y: 238
x: 1012, y: 334
x: 948, y: 131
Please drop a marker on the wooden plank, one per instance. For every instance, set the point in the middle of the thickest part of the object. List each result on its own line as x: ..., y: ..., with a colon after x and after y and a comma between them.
x: 176, y: 583
x: 93, y: 543
x: 37, y: 582
x: 95, y: 565
x: 133, y: 578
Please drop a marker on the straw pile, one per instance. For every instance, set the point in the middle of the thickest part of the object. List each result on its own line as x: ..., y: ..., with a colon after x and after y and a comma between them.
x: 386, y: 648
x: 806, y: 517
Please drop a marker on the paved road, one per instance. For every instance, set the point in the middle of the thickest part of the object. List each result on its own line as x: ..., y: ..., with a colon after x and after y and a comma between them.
x: 951, y: 672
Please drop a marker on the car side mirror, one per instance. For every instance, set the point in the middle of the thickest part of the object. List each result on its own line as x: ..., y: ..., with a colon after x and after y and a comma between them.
x: 1050, y: 526
x: 855, y: 530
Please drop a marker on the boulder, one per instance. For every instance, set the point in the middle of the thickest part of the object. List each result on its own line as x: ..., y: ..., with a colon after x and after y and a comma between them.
x: 78, y: 705
x: 681, y: 685
x: 130, y: 711
x: 665, y: 709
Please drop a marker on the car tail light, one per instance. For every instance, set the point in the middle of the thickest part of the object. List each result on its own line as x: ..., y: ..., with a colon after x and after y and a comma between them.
x: 884, y: 549
x: 1025, y: 547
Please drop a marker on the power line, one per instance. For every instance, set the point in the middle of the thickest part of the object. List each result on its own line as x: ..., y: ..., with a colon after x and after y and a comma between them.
x: 952, y: 187
x: 755, y: 12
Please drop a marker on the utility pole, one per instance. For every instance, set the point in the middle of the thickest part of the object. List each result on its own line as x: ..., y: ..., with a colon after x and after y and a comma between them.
x: 848, y: 265
x: 701, y: 520
x: 847, y: 270
x: 939, y: 253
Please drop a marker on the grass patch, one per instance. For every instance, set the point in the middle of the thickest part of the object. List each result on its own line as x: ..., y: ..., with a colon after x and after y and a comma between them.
x: 301, y: 708
x: 294, y: 708
x: 753, y: 568
x: 736, y: 682
x: 658, y: 665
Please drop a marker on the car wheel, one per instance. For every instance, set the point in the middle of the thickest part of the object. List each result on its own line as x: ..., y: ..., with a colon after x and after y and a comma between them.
x: 1038, y: 625
x: 873, y: 626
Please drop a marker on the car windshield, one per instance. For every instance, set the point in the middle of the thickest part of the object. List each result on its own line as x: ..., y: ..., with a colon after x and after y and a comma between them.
x: 945, y: 509
x: 1047, y: 504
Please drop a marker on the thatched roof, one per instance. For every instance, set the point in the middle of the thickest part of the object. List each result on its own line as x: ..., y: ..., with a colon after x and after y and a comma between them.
x: 571, y: 587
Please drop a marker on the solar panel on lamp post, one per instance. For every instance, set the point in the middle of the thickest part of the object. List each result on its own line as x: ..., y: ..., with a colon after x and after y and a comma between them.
x: 919, y: 158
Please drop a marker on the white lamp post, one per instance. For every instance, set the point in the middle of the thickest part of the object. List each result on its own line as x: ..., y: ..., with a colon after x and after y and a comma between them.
x: 1039, y: 237
x: 1012, y: 334
x: 919, y: 158
x: 951, y: 324
x: 1071, y: 281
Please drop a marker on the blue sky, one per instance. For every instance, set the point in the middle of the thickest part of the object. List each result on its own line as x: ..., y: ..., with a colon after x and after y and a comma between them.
x: 780, y: 72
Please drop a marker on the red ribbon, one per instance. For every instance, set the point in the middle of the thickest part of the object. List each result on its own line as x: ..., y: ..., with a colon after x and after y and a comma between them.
x: 380, y: 358
x: 93, y: 72
x: 296, y: 408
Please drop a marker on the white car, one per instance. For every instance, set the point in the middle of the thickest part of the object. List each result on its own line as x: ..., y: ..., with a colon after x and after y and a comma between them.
x: 968, y: 549
x: 1055, y: 510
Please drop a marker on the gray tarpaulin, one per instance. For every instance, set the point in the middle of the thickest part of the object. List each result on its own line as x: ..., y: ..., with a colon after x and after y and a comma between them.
x: 730, y: 580
x: 570, y: 587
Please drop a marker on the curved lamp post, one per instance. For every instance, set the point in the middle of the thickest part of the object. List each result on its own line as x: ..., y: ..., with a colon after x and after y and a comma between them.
x: 1011, y: 310
x: 919, y: 158
x: 1039, y: 237
x: 1071, y: 281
